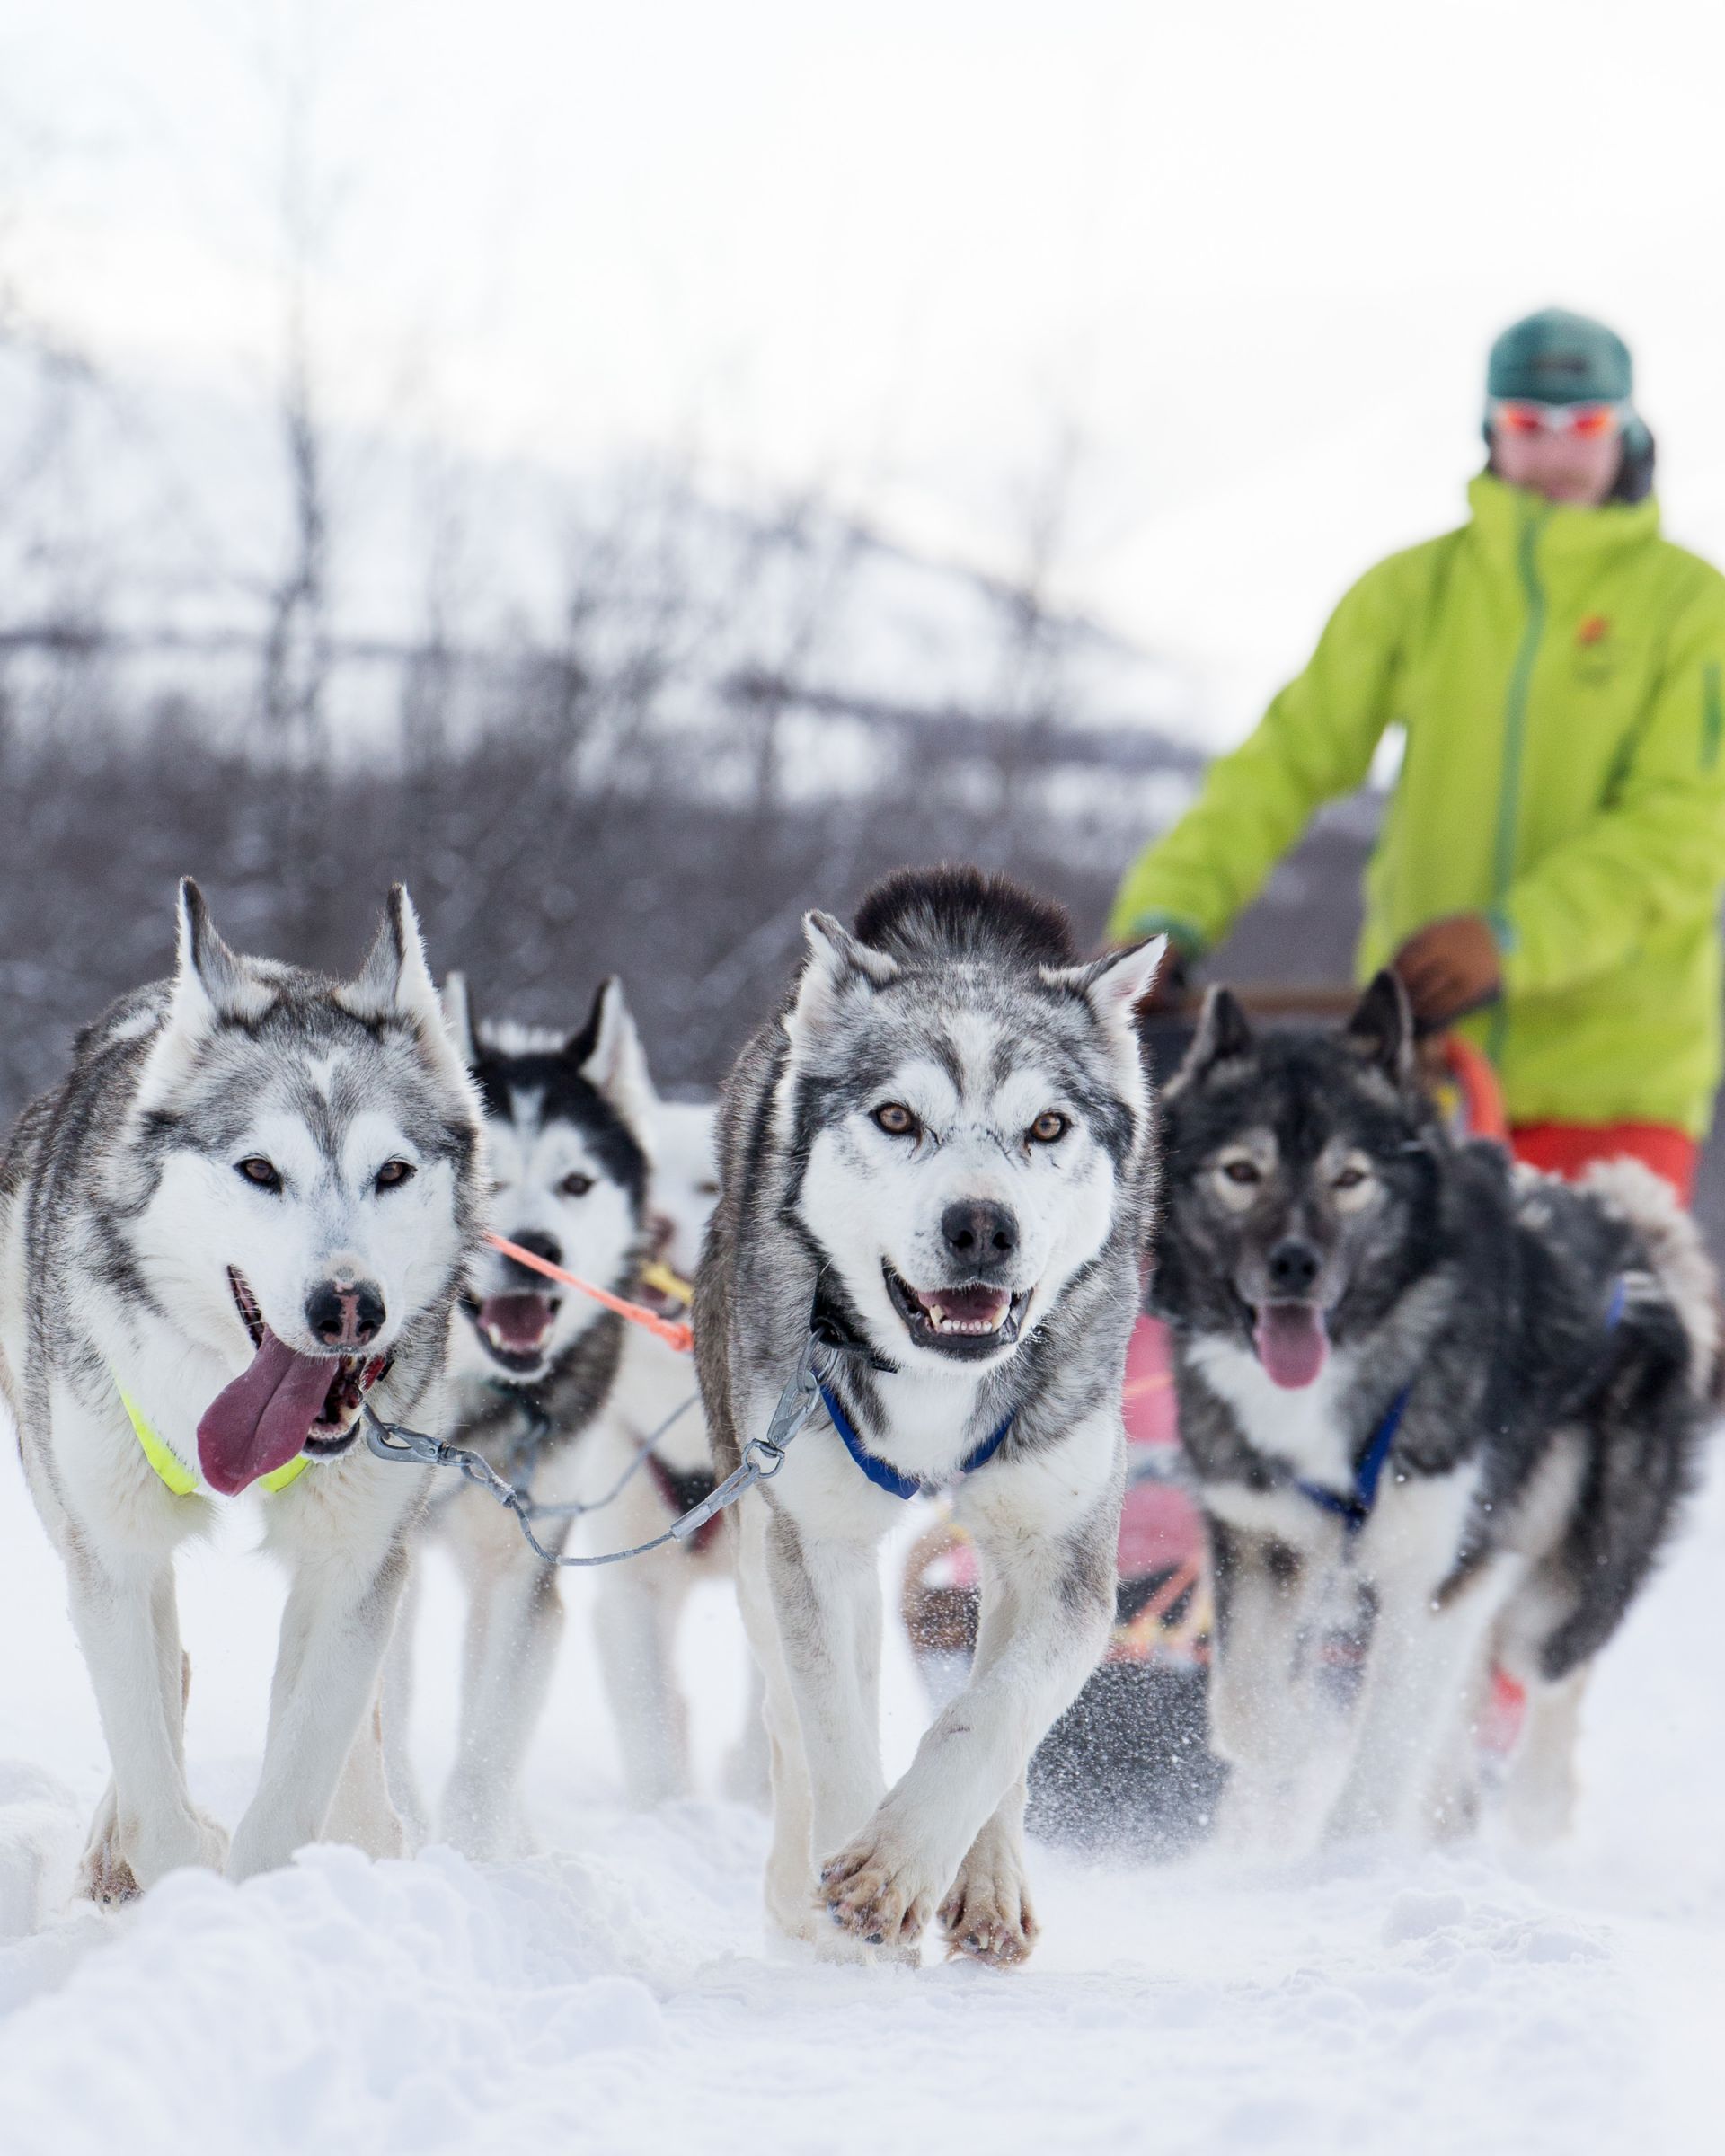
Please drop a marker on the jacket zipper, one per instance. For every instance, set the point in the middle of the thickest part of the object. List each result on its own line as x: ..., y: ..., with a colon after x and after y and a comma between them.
x: 1515, y: 723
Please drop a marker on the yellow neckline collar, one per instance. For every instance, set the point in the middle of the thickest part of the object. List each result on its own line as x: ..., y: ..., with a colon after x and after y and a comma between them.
x: 173, y: 1471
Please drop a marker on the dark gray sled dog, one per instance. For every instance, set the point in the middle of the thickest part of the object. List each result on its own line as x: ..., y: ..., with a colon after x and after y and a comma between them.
x: 1436, y: 1403
x: 937, y: 1165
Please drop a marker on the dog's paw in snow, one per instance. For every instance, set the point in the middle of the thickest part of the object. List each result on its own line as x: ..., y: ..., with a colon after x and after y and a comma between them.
x: 877, y: 1894
x: 117, y: 1868
x: 106, y: 1878
x: 987, y: 1916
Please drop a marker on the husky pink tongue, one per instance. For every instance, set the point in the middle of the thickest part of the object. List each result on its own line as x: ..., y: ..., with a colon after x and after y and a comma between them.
x: 261, y: 1420
x: 1291, y: 1342
x: 517, y: 1324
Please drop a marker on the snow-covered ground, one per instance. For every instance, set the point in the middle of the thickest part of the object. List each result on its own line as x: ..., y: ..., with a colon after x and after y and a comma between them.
x: 614, y: 1994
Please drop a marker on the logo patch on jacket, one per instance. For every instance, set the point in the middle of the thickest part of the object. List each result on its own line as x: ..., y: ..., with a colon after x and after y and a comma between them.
x: 1595, y: 657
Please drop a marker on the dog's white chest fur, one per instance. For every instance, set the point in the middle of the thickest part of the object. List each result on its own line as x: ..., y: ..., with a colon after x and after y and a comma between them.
x: 1301, y: 1426
x: 931, y: 1423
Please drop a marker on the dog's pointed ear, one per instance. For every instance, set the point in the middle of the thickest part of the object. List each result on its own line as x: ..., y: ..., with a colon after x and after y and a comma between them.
x: 1223, y: 1035
x: 1113, y: 985
x: 836, y: 966
x: 396, y: 982
x: 210, y: 982
x: 212, y: 985
x: 1116, y: 983
x: 609, y: 1054
x: 1380, y: 1029
x: 458, y: 1018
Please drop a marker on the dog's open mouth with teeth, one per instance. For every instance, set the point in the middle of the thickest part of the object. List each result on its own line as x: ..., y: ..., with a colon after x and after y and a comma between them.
x: 972, y: 1319
x: 285, y: 1403
x: 514, y: 1329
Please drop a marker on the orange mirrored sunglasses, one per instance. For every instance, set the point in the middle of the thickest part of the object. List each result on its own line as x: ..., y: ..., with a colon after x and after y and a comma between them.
x: 1585, y: 422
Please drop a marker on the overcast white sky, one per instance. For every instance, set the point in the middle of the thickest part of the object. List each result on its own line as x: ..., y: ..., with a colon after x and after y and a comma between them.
x: 1245, y: 257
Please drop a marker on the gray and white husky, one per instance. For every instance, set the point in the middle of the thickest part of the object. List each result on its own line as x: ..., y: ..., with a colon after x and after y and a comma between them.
x: 1440, y: 1408
x: 939, y: 1161
x: 566, y: 1122
x: 246, y: 1209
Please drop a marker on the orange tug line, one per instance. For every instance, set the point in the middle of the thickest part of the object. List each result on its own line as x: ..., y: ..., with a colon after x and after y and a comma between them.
x: 671, y: 1331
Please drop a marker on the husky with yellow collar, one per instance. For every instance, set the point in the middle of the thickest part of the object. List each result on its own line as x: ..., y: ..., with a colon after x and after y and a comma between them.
x: 247, y: 1210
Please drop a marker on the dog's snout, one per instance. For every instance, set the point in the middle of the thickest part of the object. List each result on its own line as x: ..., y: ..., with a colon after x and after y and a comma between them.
x: 345, y: 1314
x: 979, y: 1234
x: 1293, y: 1267
x: 542, y: 1246
x: 662, y: 1229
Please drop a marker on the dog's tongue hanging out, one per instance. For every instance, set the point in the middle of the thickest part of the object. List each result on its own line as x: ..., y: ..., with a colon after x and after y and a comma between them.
x: 1291, y: 1342
x: 263, y: 1418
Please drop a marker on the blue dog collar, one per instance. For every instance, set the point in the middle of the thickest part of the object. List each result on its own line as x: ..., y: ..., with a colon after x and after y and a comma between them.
x: 888, y: 1478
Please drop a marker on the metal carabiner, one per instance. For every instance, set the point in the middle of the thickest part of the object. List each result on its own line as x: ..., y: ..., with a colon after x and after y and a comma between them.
x: 765, y: 1457
x: 394, y: 1441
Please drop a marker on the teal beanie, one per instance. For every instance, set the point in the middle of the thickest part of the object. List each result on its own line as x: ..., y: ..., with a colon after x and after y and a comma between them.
x: 1555, y: 358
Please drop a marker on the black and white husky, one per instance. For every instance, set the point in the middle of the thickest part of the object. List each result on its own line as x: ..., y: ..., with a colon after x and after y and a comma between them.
x: 1435, y: 1404
x: 938, y: 1164
x: 566, y: 1121
x: 247, y: 1208
x: 657, y: 1404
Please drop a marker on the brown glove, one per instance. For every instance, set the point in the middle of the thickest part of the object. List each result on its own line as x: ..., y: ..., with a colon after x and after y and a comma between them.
x: 1449, y: 968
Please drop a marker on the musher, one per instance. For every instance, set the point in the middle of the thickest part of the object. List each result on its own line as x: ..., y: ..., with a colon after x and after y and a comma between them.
x: 1551, y: 857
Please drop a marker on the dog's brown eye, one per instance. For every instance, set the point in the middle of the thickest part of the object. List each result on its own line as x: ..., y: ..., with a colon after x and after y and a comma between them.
x: 576, y: 1184
x: 897, y: 1120
x: 1049, y: 1127
x: 394, y: 1172
x: 1241, y: 1172
x: 256, y: 1170
x: 1350, y: 1179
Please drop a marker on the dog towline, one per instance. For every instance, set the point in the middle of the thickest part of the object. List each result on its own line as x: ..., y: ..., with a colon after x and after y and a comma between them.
x: 807, y: 1391
x: 671, y: 1331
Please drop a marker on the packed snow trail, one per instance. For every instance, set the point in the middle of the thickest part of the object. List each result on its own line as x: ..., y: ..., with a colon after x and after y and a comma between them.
x: 616, y: 1995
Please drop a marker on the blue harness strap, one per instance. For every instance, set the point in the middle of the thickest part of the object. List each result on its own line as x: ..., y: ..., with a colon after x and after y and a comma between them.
x: 1354, y: 1509
x: 888, y: 1478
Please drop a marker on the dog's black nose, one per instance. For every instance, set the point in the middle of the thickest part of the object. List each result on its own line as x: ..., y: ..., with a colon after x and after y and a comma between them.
x: 1293, y: 1268
x: 542, y: 1246
x: 345, y: 1314
x: 979, y: 1235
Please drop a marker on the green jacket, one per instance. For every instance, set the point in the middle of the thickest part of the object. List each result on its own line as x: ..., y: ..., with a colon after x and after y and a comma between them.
x: 1558, y: 675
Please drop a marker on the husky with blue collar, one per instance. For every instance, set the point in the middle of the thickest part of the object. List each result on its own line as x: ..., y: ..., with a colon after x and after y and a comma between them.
x: 1441, y: 1412
x: 245, y: 1211
x: 937, y: 1169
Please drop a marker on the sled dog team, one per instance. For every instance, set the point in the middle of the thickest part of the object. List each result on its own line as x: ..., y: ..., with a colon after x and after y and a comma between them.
x: 1439, y: 1408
